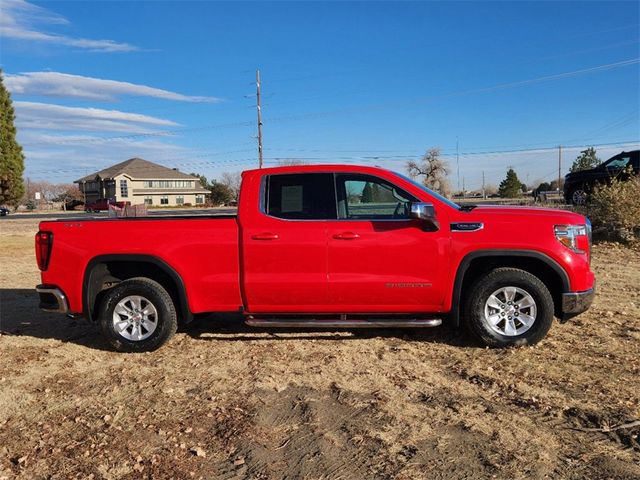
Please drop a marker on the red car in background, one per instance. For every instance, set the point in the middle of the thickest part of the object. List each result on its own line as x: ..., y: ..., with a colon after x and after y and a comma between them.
x: 102, y: 204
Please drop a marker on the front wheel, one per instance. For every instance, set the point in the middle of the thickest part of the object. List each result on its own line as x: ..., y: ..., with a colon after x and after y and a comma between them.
x: 509, y: 307
x: 579, y: 196
x: 138, y: 315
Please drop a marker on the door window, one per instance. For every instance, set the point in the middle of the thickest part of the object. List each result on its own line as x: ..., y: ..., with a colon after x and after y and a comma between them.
x: 364, y: 197
x: 305, y: 196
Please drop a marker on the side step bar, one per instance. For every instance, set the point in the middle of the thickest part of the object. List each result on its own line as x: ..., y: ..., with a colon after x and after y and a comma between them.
x: 342, y: 323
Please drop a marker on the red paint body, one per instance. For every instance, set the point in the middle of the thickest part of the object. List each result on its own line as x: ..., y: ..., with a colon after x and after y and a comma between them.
x: 263, y: 264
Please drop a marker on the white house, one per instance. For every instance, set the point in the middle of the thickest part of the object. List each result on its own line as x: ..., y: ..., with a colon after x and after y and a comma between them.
x: 140, y: 181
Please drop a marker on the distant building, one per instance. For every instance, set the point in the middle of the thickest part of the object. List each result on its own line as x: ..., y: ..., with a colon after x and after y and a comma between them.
x: 140, y: 181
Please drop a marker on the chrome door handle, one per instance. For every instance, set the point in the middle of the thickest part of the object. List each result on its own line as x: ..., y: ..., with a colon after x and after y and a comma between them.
x: 265, y: 236
x: 346, y: 236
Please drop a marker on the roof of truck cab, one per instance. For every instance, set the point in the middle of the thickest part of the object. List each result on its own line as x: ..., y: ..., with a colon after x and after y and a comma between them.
x: 317, y: 168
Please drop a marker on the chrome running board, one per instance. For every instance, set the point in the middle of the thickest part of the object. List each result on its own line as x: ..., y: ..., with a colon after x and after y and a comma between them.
x: 342, y: 322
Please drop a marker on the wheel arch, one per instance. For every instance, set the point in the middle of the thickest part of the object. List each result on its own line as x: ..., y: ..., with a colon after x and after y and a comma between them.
x: 105, y: 271
x: 479, y: 262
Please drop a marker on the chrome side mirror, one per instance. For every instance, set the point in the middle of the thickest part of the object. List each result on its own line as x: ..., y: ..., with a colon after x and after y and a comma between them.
x: 425, y: 212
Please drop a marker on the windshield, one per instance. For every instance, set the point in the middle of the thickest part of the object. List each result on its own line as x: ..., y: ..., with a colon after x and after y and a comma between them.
x: 429, y: 191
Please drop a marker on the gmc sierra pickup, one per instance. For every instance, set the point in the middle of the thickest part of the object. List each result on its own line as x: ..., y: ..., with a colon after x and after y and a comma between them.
x: 323, y: 246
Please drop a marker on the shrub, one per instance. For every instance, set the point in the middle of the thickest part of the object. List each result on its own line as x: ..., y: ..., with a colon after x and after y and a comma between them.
x: 614, y: 210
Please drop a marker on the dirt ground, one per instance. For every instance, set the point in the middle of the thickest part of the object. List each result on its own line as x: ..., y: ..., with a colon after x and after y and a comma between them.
x: 226, y: 401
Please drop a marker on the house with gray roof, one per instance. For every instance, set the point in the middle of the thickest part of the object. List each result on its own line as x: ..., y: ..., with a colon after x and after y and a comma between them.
x: 140, y: 181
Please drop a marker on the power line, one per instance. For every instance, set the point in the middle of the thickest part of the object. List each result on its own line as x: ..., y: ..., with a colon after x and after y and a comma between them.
x: 186, y: 161
x: 385, y: 105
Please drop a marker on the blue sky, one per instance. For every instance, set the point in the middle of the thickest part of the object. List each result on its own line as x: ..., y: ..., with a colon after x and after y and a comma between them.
x: 95, y: 83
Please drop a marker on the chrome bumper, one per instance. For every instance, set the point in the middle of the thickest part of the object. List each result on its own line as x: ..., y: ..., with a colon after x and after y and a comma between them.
x: 52, y: 299
x: 574, y: 303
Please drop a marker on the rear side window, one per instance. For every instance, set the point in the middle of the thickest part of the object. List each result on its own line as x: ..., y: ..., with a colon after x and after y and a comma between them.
x: 301, y: 196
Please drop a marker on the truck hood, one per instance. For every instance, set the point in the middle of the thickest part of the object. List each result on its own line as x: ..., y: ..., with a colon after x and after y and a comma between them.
x: 515, y: 212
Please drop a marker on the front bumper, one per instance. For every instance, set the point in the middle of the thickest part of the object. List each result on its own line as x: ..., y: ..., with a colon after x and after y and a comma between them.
x: 52, y: 299
x: 574, y: 303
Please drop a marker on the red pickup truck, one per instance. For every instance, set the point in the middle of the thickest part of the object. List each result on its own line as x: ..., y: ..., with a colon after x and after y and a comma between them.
x: 323, y: 246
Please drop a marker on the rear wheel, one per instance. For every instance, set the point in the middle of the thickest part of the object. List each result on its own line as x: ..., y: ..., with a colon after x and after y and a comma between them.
x: 138, y: 315
x: 509, y: 307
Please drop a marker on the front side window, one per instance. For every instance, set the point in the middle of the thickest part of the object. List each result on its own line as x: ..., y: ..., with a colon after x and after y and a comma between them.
x: 124, y: 189
x: 199, y: 199
x: 164, y: 200
x: 301, y: 196
x: 179, y: 200
x: 148, y: 200
x: 365, y: 197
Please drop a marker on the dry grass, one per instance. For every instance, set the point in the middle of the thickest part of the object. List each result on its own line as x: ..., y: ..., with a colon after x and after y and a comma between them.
x: 225, y: 401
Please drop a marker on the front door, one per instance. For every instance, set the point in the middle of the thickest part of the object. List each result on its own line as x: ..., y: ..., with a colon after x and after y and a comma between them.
x: 380, y: 260
x: 284, y: 245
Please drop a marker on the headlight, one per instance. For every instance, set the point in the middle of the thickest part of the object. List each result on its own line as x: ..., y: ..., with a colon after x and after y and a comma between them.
x: 575, y: 237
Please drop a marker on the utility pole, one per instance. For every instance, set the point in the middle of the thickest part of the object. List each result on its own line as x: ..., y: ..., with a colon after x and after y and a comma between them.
x: 259, y: 119
x: 463, y: 188
x: 484, y: 195
x: 559, y: 166
x: 458, y: 162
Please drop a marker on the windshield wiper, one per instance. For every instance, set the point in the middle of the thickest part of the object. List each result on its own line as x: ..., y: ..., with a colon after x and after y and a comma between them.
x: 467, y: 208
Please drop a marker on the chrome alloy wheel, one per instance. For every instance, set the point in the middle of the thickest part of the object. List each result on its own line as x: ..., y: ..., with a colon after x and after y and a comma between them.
x: 135, y: 318
x: 510, y: 311
x: 579, y: 197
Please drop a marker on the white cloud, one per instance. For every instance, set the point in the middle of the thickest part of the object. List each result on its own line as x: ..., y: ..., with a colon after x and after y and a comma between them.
x: 62, y: 157
x: 20, y: 20
x: 56, y: 84
x: 47, y: 116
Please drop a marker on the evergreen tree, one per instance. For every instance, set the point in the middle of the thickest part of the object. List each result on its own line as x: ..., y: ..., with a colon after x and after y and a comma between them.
x: 367, y: 193
x: 11, y: 156
x: 510, y: 187
x: 220, y: 193
x: 204, y: 183
x: 586, y: 160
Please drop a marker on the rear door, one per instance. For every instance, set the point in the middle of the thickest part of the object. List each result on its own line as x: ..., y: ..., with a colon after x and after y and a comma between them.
x: 284, y: 244
x: 380, y: 260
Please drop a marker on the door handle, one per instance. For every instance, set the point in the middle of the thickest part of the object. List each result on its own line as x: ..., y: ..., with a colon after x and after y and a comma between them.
x: 346, y: 236
x: 265, y: 236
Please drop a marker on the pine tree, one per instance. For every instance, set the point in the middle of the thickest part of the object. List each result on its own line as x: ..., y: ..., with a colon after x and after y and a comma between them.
x: 367, y: 193
x: 586, y: 161
x: 510, y: 187
x: 11, y: 156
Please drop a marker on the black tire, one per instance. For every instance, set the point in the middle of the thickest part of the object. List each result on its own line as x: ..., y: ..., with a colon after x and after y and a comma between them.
x: 578, y: 195
x: 499, y: 278
x: 165, y: 319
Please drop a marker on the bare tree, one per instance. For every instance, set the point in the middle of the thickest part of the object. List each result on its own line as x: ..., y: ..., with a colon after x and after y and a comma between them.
x: 433, y: 171
x: 290, y: 162
x: 490, y: 189
x: 232, y: 181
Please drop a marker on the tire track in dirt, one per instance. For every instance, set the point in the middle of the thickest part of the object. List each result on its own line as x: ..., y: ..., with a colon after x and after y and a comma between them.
x: 302, y: 433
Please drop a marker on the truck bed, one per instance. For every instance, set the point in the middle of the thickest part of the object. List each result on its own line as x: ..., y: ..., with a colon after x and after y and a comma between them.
x: 202, y: 249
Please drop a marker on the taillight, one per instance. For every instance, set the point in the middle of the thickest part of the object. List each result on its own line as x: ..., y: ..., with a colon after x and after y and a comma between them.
x: 575, y: 237
x: 44, y: 243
